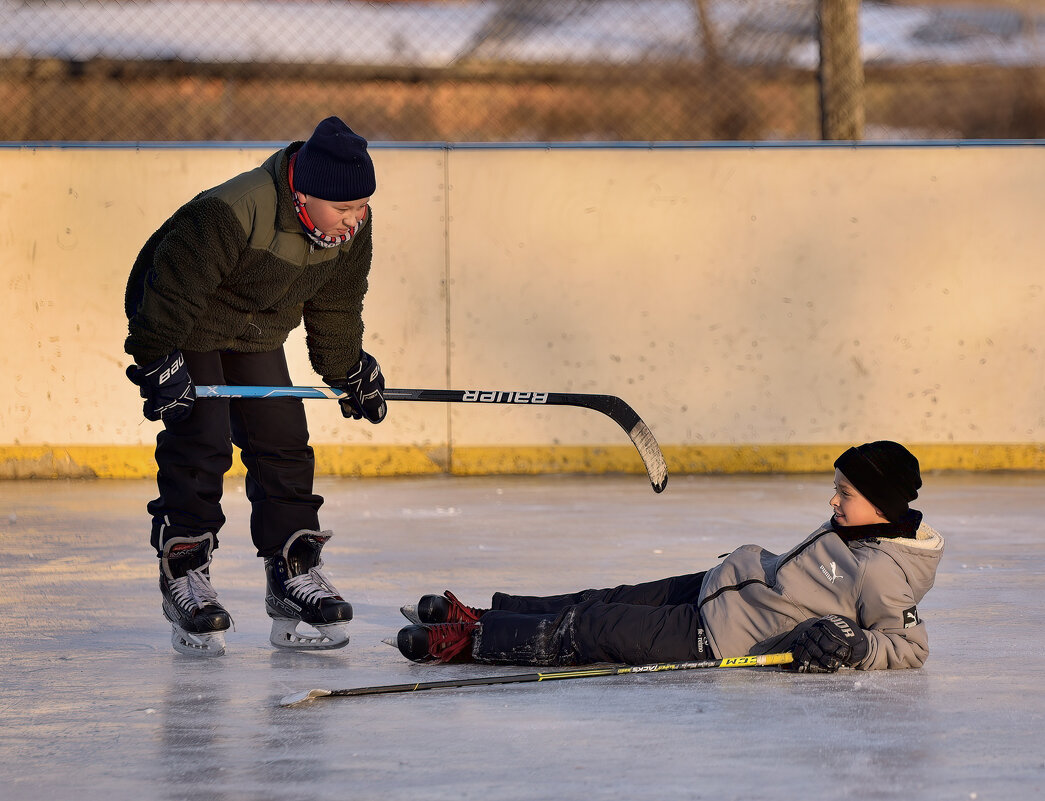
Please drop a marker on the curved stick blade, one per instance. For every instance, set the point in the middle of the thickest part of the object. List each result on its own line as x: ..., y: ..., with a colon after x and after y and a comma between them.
x: 302, y: 696
x: 652, y: 458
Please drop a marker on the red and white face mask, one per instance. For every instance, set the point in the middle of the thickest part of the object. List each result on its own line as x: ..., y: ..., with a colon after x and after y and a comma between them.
x: 313, y: 231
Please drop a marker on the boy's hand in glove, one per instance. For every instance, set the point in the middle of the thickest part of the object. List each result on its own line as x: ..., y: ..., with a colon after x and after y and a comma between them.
x: 830, y: 643
x: 166, y: 386
x: 364, y: 386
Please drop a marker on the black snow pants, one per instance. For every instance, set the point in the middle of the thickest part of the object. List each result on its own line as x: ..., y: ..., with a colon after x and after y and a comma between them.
x: 635, y: 624
x: 192, y: 456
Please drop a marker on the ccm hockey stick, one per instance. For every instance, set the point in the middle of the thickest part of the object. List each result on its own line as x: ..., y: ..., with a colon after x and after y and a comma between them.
x: 581, y: 673
x: 613, y: 407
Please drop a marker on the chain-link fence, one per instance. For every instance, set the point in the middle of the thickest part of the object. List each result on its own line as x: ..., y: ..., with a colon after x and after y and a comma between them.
x: 522, y: 70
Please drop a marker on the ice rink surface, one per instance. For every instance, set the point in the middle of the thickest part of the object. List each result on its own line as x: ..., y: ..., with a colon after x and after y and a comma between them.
x: 96, y: 704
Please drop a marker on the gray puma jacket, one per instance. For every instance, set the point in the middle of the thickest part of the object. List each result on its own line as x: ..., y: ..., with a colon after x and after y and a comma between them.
x: 232, y: 269
x: 756, y: 602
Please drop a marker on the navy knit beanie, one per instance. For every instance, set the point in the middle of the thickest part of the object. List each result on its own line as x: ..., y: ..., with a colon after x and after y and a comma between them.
x: 334, y: 165
x: 885, y: 473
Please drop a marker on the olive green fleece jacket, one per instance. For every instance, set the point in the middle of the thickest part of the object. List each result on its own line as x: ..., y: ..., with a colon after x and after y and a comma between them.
x: 232, y: 269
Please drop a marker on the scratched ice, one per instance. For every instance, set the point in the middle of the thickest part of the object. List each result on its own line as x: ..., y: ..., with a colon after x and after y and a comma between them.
x: 96, y: 704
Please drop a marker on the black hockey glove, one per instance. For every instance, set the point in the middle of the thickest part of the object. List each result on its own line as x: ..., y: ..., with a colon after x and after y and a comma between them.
x: 364, y: 386
x: 830, y: 643
x: 166, y: 386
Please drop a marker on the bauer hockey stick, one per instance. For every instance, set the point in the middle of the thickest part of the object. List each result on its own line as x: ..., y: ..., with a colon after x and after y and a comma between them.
x: 581, y: 673
x: 611, y: 406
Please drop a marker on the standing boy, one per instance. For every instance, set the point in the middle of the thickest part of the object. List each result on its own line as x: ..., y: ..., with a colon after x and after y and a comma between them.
x: 211, y: 299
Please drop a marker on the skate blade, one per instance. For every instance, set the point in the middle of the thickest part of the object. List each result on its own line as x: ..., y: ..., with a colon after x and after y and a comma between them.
x: 391, y: 641
x: 285, y: 635
x: 185, y: 642
x: 410, y: 613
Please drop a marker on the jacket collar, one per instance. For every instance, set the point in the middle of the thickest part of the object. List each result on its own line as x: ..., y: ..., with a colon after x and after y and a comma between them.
x: 278, y: 166
x: 906, y: 526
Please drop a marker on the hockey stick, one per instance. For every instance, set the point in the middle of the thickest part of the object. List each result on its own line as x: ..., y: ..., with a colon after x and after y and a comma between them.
x: 611, y: 406
x: 582, y: 673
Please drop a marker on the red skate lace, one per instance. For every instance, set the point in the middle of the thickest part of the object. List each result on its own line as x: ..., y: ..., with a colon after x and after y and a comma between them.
x: 459, y: 613
x: 447, y: 640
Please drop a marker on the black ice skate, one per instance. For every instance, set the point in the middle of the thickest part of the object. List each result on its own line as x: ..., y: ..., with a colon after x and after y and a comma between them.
x: 443, y: 608
x: 198, y: 621
x: 440, y: 642
x: 298, y: 592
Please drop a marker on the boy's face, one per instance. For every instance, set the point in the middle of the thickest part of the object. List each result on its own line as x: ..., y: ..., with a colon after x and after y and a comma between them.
x: 334, y: 218
x: 852, y: 508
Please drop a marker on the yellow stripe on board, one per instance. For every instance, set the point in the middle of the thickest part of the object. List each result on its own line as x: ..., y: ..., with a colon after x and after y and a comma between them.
x: 76, y: 461
x: 726, y: 459
x: 684, y: 459
x: 537, y: 460
x: 136, y: 461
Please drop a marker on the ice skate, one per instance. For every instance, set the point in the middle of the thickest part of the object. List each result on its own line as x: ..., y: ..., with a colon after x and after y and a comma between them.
x: 443, y: 608
x: 298, y: 592
x: 198, y: 621
x: 441, y: 642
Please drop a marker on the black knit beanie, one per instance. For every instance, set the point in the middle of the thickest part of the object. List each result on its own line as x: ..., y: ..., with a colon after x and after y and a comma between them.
x: 885, y: 473
x: 334, y: 165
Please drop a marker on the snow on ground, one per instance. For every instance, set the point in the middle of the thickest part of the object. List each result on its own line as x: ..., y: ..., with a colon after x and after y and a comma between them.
x: 437, y: 34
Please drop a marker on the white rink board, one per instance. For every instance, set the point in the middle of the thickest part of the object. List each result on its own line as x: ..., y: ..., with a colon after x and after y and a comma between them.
x: 730, y: 295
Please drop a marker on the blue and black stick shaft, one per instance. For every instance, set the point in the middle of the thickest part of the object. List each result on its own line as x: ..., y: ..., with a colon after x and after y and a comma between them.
x: 579, y: 673
x: 611, y: 406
